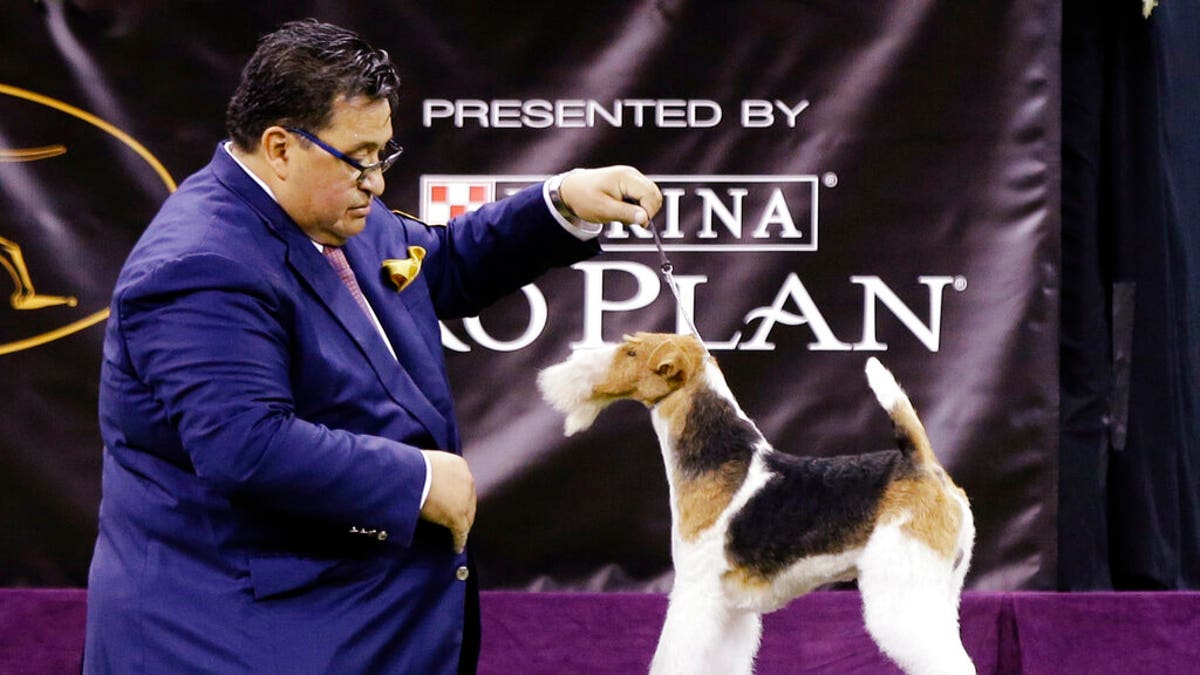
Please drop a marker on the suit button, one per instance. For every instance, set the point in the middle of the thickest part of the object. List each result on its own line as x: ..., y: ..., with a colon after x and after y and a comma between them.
x: 382, y: 536
x: 462, y: 573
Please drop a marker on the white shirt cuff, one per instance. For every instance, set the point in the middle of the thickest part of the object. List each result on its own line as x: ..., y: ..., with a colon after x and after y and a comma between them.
x: 428, y: 480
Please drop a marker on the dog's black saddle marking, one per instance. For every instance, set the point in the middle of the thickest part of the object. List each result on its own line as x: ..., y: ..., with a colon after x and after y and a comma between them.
x: 810, y: 506
x: 714, y: 436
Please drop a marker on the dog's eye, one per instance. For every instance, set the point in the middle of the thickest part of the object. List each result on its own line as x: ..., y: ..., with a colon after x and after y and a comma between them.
x: 630, y: 352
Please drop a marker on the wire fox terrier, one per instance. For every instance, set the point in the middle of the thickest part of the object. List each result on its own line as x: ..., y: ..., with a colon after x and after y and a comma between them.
x: 753, y: 528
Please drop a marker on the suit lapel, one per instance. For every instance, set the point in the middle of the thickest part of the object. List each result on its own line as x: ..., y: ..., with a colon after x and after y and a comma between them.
x: 316, y: 273
x: 400, y: 382
x: 417, y: 350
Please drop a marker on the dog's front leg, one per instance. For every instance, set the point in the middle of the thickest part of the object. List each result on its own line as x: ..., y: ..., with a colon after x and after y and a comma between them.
x: 702, y: 635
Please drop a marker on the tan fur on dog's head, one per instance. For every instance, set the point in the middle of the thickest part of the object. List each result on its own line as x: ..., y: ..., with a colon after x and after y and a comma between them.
x: 644, y: 367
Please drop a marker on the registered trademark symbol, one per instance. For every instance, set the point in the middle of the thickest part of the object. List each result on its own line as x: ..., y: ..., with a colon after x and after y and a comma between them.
x: 960, y: 283
x: 829, y: 179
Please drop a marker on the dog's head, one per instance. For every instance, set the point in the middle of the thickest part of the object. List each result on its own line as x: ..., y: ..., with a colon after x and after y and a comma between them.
x: 644, y: 367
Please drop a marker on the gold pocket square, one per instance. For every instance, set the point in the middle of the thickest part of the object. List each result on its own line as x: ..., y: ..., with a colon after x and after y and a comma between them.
x: 402, y: 272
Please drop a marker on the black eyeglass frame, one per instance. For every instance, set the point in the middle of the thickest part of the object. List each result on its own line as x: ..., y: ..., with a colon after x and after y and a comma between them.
x: 363, y: 169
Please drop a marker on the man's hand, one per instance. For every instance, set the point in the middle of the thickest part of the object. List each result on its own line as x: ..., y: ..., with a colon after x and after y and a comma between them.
x: 611, y: 193
x: 451, y: 499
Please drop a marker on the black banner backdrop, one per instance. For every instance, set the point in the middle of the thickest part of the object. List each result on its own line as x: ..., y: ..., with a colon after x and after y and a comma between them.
x: 842, y: 180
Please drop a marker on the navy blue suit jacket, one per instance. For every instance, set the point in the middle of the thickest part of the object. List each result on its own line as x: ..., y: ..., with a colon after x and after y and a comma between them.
x: 252, y: 417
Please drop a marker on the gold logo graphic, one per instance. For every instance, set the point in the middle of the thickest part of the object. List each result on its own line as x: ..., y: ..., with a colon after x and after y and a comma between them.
x: 24, y: 296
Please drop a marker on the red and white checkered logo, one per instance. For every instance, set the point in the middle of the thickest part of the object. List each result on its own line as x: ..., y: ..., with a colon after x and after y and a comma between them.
x: 444, y: 197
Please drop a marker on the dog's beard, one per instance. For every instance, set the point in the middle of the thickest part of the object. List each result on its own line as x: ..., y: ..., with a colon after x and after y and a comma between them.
x: 569, y: 387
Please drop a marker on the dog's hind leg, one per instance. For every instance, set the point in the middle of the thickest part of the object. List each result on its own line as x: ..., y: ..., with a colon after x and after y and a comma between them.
x: 702, y: 636
x: 910, y: 604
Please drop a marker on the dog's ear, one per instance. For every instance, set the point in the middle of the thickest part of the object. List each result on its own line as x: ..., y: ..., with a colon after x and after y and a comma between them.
x: 669, y: 362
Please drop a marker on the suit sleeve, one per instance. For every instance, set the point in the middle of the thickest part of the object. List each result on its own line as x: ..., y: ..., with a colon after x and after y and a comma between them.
x: 211, y: 339
x: 488, y: 253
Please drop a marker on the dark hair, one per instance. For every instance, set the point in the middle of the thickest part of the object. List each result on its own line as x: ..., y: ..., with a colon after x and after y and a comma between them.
x: 298, y: 71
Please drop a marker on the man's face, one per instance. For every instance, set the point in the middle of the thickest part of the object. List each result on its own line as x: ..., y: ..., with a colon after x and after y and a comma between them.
x: 322, y: 193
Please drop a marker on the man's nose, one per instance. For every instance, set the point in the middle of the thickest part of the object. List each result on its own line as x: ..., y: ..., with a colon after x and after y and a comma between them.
x: 372, y: 181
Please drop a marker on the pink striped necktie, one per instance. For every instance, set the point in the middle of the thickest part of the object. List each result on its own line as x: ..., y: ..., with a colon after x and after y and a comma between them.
x: 337, y: 259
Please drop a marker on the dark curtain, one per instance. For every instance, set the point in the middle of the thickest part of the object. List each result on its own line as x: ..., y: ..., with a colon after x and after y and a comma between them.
x: 1129, y: 477
x: 927, y: 149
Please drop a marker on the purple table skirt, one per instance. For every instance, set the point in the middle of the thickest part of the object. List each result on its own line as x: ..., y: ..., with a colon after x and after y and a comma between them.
x: 41, y: 632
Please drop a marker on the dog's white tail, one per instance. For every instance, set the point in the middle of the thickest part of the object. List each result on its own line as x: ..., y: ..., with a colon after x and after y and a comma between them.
x: 910, y: 433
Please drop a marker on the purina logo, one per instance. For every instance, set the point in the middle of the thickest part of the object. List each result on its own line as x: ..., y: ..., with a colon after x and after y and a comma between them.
x: 700, y: 213
x: 706, y: 213
x: 446, y: 197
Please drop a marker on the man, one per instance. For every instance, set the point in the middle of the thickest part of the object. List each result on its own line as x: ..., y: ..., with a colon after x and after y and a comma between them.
x: 283, y: 484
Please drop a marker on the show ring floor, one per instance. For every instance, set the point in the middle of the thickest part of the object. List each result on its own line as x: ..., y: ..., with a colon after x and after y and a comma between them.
x: 1019, y: 633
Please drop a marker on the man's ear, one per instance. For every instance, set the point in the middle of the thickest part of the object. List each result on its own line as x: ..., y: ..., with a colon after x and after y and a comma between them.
x: 276, y: 144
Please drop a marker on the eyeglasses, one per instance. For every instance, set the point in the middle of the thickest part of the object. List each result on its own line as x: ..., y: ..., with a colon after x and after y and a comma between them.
x: 392, y: 153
